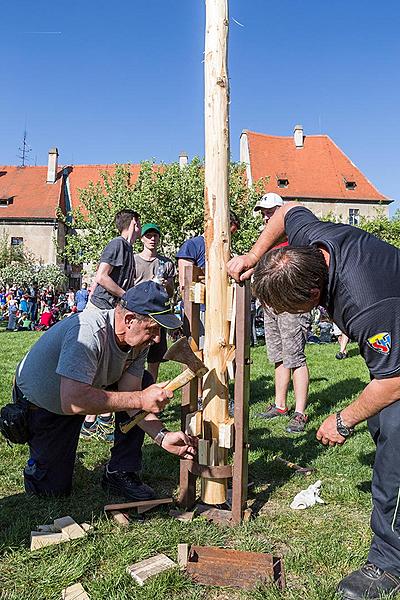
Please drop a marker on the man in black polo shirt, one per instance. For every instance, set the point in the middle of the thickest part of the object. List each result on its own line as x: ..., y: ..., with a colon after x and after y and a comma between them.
x: 357, y: 278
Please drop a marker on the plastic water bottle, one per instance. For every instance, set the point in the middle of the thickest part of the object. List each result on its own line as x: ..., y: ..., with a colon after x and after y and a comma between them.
x: 159, y: 274
x: 30, y: 467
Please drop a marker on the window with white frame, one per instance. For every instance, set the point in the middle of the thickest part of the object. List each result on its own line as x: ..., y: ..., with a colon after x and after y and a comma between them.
x: 354, y: 216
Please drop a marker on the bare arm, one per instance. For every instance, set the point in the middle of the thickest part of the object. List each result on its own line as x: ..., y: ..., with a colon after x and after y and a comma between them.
x: 82, y: 399
x: 378, y: 394
x: 241, y: 267
x: 150, y: 424
x: 175, y: 442
x: 103, y: 278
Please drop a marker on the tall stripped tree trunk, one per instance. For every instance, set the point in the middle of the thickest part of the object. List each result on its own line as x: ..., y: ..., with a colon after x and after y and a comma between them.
x: 217, y: 233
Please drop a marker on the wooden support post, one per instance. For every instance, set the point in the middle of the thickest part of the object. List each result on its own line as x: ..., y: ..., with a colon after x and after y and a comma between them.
x: 191, y: 326
x: 242, y: 393
x: 217, y: 229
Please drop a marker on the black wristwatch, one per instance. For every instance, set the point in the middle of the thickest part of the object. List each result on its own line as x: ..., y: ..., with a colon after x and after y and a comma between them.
x: 342, y: 428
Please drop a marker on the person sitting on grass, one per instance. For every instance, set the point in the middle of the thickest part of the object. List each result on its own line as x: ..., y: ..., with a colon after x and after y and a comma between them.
x: 85, y: 355
x: 46, y: 318
x: 24, y: 323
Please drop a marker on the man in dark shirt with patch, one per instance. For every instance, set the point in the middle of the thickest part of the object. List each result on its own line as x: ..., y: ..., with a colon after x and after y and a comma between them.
x: 357, y: 278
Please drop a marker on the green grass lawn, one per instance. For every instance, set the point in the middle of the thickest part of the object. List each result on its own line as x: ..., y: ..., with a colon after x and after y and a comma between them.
x: 320, y: 545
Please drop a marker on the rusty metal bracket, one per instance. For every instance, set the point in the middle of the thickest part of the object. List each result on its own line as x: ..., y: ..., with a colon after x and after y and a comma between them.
x: 218, y: 472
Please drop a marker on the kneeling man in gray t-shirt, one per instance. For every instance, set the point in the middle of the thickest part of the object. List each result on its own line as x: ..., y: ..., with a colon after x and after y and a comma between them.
x: 93, y: 362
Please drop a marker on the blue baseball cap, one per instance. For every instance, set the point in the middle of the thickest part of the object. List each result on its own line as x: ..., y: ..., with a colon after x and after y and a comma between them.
x: 150, y: 298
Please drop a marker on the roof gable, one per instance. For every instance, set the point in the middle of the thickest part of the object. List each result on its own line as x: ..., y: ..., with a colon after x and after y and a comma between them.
x: 317, y: 170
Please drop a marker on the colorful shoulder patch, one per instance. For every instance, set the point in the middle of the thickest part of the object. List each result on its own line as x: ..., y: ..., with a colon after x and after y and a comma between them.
x: 380, y: 342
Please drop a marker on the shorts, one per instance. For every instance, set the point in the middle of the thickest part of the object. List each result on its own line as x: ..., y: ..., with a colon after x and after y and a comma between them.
x: 285, y: 337
x: 336, y: 331
x: 157, y: 351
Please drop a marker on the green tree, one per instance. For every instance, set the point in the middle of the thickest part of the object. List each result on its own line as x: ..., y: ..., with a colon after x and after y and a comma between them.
x: 12, y: 254
x: 16, y: 263
x: 383, y: 227
x: 51, y: 274
x: 166, y: 194
x: 17, y: 266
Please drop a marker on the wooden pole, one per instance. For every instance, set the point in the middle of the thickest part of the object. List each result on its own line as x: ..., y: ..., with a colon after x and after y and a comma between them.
x: 217, y: 233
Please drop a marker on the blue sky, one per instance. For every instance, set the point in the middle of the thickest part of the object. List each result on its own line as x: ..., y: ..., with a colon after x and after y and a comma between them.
x: 123, y: 81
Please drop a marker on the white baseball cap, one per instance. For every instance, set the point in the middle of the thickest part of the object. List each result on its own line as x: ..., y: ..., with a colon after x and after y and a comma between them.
x: 269, y: 200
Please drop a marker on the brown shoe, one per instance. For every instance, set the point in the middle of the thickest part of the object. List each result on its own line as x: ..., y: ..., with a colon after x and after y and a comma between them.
x: 297, y: 424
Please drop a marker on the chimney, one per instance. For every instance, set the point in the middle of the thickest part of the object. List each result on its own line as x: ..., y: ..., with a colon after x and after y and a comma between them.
x: 298, y: 136
x: 52, y: 165
x: 183, y: 160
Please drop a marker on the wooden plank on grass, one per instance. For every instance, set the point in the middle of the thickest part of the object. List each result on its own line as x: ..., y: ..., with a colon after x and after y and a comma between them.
x: 141, y: 503
x: 120, y: 517
x: 74, y: 592
x: 69, y: 527
x: 150, y: 567
x: 40, y: 539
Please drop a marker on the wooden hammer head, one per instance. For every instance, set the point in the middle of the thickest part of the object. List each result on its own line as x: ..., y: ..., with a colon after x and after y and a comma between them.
x: 181, y: 352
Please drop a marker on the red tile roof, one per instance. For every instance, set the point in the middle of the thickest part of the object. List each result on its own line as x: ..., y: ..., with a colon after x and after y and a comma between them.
x: 32, y: 196
x: 318, y: 170
x: 80, y: 176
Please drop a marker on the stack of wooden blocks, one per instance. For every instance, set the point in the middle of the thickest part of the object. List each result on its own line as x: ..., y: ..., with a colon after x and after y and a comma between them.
x: 62, y: 530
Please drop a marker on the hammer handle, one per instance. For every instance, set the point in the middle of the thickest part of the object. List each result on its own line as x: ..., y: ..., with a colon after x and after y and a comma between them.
x: 173, y: 385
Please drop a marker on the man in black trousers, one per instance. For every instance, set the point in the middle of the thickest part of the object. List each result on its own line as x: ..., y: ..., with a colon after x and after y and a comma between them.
x: 356, y: 277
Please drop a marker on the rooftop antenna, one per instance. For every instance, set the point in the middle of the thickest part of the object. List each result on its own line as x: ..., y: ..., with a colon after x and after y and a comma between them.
x: 24, y: 150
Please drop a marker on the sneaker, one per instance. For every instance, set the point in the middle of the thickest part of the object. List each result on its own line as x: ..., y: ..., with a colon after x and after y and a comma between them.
x: 297, y: 423
x: 273, y: 411
x: 126, y: 484
x: 88, y: 432
x: 368, y: 582
x: 105, y: 429
x: 341, y: 355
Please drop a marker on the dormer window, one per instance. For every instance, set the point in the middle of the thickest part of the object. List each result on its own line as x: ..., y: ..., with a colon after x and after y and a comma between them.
x: 283, y: 183
x: 350, y: 184
x: 6, y: 201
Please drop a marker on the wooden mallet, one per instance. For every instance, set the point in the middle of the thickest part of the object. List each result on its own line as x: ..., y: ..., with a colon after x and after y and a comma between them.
x: 179, y: 352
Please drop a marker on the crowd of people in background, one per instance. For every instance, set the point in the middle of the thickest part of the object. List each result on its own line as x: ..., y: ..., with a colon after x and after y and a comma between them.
x: 29, y: 307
